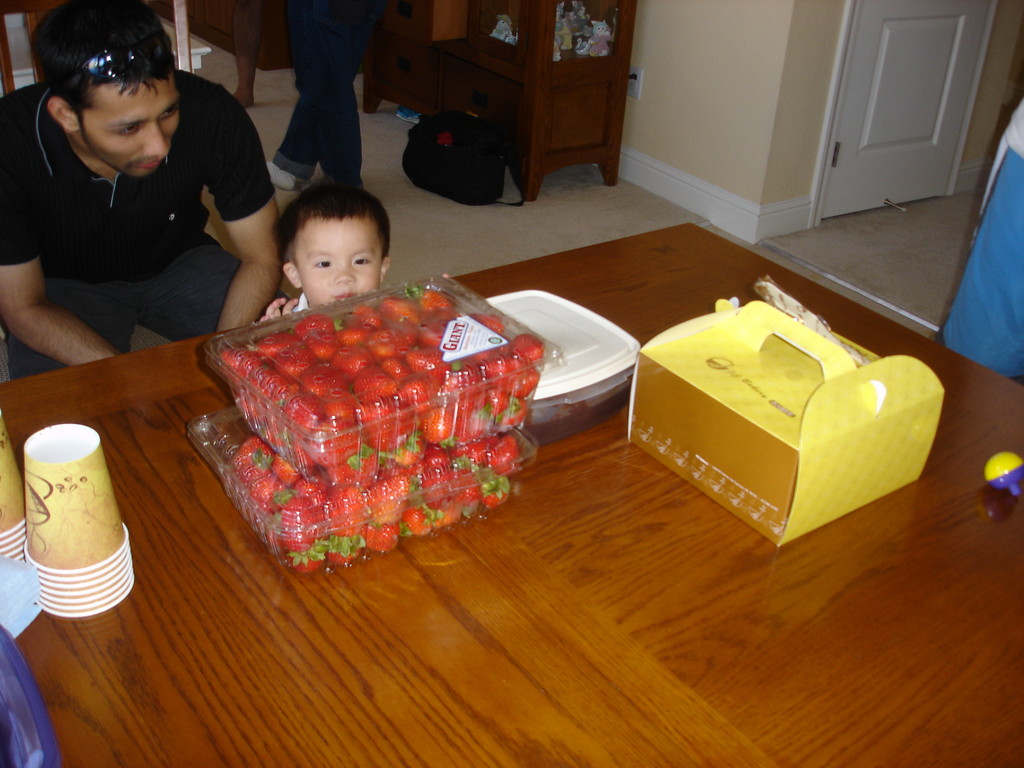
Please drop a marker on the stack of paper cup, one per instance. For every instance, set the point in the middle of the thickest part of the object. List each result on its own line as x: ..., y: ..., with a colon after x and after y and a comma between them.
x: 74, y: 533
x: 12, y: 500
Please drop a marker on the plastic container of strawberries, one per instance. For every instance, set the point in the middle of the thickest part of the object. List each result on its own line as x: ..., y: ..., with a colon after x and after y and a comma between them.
x: 310, y: 524
x: 361, y: 386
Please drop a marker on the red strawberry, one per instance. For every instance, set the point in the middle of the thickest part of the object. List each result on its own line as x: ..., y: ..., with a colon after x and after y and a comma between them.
x: 352, y: 359
x: 396, y: 309
x: 418, y: 521
x: 422, y: 360
x: 529, y: 347
x: 353, y: 335
x: 255, y: 451
x: 416, y: 391
x: 346, y: 510
x: 309, y: 561
x: 285, y: 470
x: 438, y: 425
x: 322, y: 342
x: 373, y: 381
x: 242, y: 361
x: 409, y: 450
x: 273, y: 343
x: 504, y: 454
x: 318, y: 379
x: 396, y: 368
x: 305, y: 411
x: 382, y: 343
x: 342, y: 550
x: 432, y: 298
x: 294, y: 359
x: 475, y: 452
x: 381, y: 537
x: 265, y: 491
x: 312, y: 323
x: 340, y: 407
x: 367, y: 316
x: 449, y: 513
x: 494, y: 488
x: 386, y: 497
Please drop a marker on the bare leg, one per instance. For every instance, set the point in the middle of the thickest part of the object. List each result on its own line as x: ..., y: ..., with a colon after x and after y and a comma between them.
x: 248, y: 28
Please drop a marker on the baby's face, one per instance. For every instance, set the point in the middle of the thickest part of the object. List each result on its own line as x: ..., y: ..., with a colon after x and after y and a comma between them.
x: 337, y: 258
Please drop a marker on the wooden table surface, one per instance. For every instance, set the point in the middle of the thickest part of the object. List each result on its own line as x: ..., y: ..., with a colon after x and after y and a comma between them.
x: 608, y: 614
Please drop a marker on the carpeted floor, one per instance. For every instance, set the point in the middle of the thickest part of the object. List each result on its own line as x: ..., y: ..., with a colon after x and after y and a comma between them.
x: 906, y: 261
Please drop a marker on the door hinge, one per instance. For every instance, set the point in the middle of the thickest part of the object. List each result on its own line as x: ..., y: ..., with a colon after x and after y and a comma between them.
x: 835, y: 154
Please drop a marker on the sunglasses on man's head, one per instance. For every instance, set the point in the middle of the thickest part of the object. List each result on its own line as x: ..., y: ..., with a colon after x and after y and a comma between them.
x: 113, y: 64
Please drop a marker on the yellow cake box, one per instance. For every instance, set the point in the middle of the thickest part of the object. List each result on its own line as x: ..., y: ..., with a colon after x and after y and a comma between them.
x: 777, y: 423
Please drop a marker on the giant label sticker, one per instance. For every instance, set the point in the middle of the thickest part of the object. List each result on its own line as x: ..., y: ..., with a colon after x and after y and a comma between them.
x: 465, y: 336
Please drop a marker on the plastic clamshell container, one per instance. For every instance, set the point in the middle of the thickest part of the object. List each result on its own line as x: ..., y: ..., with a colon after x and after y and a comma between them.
x: 27, y: 738
x: 344, y: 390
x: 449, y: 485
x: 593, y: 379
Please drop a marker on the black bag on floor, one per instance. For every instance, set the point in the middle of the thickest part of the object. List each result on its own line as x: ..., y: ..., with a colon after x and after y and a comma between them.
x: 461, y: 157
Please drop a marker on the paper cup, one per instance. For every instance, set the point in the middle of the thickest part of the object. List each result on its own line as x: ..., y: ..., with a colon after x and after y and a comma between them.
x: 81, y: 592
x: 72, y: 517
x: 12, y: 492
x: 12, y: 542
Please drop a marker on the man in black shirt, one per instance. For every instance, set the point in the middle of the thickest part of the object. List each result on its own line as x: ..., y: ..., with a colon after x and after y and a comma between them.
x: 102, y: 168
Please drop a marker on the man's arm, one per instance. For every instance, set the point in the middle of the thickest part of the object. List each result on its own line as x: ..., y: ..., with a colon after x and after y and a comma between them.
x: 259, y: 275
x: 47, y: 328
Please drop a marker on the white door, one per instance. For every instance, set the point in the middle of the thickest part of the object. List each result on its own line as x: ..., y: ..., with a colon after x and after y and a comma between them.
x: 906, y: 88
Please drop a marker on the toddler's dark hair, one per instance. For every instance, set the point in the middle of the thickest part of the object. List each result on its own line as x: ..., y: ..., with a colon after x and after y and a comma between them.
x: 331, y: 202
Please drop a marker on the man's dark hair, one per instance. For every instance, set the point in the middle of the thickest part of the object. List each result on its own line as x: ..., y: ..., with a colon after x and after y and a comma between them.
x: 331, y: 202
x: 79, y: 30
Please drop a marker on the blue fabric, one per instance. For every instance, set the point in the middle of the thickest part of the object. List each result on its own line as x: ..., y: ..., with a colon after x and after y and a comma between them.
x: 324, y: 126
x: 184, y: 300
x: 986, y: 321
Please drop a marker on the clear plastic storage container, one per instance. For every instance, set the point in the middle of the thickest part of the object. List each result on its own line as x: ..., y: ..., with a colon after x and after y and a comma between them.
x: 596, y: 367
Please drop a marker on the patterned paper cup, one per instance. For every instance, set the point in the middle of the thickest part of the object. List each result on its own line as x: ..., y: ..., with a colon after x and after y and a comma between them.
x: 81, y: 592
x: 72, y: 516
x: 12, y: 492
x: 12, y: 542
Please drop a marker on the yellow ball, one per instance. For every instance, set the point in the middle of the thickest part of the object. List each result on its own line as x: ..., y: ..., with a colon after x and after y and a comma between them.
x: 1002, y: 464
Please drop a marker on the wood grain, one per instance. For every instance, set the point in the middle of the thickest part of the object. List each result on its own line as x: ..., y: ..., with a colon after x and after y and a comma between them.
x: 609, y: 614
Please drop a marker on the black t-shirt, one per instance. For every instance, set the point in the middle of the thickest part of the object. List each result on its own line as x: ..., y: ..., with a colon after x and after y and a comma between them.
x: 96, y: 230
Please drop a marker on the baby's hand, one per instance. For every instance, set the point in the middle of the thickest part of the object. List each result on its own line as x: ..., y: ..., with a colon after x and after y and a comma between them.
x: 279, y: 308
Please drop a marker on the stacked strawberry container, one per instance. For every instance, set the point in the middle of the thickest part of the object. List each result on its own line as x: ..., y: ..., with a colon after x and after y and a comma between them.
x: 388, y: 415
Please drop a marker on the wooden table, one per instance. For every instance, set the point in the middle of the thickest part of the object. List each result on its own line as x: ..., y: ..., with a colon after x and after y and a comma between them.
x: 609, y: 614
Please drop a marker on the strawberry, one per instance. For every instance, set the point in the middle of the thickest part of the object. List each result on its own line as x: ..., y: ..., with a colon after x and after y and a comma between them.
x: 285, y: 470
x: 255, y: 451
x: 241, y: 361
x: 294, y: 359
x: 431, y: 298
x: 273, y: 343
x: 473, y: 453
x: 346, y: 510
x: 438, y: 425
x: 342, y: 550
x: 381, y: 537
x: 382, y: 343
x: 529, y: 347
x: 313, y: 323
x: 396, y: 368
x: 305, y: 411
x: 494, y: 488
x: 386, y: 497
x: 416, y: 391
x: 418, y: 521
x: 504, y: 454
x: 396, y: 309
x: 340, y: 406
x: 435, y: 480
x: 409, y: 450
x: 353, y: 335
x: 318, y: 379
x: 367, y: 316
x: 352, y: 359
x: 322, y: 342
x: 428, y: 360
x: 449, y: 513
x: 308, y: 561
x: 265, y: 491
x: 360, y: 467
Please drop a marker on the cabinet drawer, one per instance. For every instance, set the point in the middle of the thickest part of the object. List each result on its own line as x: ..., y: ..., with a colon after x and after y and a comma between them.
x: 426, y: 20
x: 468, y: 88
x: 405, y: 65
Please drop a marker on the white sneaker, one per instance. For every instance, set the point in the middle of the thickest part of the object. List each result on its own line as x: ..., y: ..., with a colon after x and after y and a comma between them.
x: 280, y: 177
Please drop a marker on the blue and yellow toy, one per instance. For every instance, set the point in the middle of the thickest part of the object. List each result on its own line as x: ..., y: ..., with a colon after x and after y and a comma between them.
x: 1005, y: 470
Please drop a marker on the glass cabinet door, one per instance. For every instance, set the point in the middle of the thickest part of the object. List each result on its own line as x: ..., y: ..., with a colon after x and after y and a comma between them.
x: 497, y: 26
x: 584, y: 29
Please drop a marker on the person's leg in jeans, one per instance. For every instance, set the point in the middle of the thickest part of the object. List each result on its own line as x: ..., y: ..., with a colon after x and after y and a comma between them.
x: 299, y: 151
x: 107, y: 308
x: 186, y: 299
x: 343, y: 46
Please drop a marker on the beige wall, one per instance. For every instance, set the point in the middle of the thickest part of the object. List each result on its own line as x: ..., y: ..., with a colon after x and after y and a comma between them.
x: 735, y: 91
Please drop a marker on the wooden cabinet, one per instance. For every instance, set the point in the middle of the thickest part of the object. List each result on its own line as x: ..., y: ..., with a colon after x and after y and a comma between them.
x: 212, y: 21
x: 553, y: 73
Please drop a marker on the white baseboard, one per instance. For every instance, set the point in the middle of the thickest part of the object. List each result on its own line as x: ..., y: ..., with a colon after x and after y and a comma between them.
x: 739, y: 217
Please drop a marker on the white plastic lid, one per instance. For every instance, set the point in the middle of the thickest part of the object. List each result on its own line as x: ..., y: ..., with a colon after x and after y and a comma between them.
x: 593, y: 348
